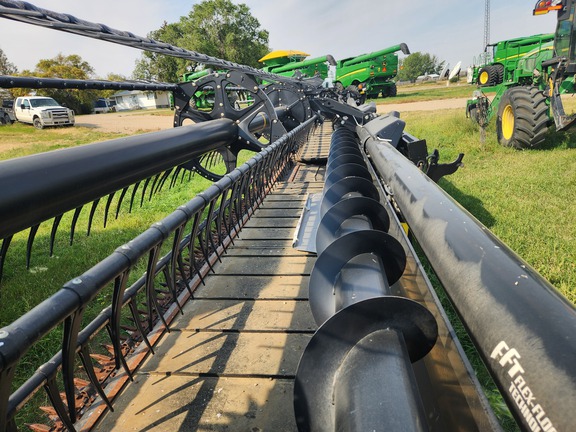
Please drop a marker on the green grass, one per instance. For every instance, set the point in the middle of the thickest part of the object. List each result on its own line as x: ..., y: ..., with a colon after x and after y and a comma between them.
x: 522, y: 196
x: 429, y: 91
x: 20, y: 139
x: 21, y: 288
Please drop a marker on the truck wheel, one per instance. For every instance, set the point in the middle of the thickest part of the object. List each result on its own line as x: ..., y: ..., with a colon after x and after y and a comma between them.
x: 38, y: 123
x: 522, y: 120
x: 2, y: 120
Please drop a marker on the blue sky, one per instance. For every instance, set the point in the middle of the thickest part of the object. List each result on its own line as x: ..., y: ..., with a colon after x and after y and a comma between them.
x: 453, y: 30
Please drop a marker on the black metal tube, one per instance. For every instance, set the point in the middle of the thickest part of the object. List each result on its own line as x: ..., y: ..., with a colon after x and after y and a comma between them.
x: 362, y: 278
x: 7, y: 81
x: 262, y: 120
x: 38, y: 187
x: 355, y: 390
x: 523, y: 327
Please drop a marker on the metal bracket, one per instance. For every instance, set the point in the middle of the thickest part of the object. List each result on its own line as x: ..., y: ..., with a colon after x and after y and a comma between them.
x: 236, y: 96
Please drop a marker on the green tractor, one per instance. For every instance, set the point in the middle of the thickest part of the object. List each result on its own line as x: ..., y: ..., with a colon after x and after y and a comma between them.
x: 528, y: 100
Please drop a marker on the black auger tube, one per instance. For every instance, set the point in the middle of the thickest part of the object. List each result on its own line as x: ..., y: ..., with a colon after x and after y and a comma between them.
x: 38, y: 187
x: 524, y: 329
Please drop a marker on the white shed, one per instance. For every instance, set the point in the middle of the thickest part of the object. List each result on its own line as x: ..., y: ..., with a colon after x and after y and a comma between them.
x: 138, y: 99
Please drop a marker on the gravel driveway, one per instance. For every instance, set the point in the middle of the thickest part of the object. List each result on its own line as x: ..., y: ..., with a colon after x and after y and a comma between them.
x: 133, y: 121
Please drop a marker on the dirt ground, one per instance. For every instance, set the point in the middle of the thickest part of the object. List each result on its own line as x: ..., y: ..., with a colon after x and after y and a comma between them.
x: 133, y: 121
x: 125, y: 122
x: 433, y: 105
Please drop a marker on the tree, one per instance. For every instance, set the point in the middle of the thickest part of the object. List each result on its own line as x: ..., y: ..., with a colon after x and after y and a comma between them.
x: 72, y: 67
x: 6, y: 68
x: 218, y: 28
x: 158, y: 67
x: 417, y: 64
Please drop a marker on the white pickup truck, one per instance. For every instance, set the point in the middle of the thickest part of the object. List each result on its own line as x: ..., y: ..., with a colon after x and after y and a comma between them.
x: 42, y: 111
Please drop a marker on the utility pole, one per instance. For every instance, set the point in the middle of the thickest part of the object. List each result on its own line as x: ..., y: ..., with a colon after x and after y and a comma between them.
x: 485, y: 56
x: 486, y: 24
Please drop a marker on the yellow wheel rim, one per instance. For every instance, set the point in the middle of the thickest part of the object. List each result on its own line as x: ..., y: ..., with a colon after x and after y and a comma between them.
x: 507, y: 122
x: 483, y: 79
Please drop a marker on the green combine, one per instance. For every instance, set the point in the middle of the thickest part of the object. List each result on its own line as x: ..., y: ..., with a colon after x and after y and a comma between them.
x: 372, y: 74
x: 367, y: 75
x: 289, y: 63
x: 505, y: 57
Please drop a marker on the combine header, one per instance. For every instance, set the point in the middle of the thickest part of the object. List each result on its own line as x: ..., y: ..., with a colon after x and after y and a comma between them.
x: 287, y: 295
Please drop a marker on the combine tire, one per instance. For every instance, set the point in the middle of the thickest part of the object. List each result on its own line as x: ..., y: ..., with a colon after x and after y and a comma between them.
x: 490, y: 75
x: 392, y: 90
x: 499, y: 74
x: 522, y: 120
